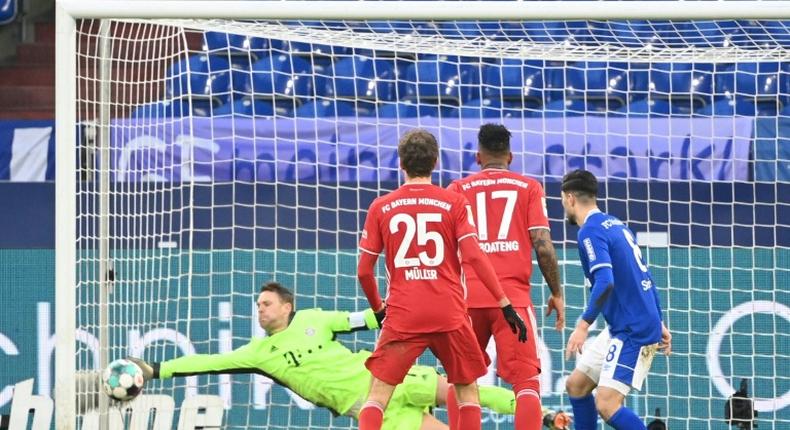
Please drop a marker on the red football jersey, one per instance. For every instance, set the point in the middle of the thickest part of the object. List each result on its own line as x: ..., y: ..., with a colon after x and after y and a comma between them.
x: 506, y: 207
x: 418, y: 226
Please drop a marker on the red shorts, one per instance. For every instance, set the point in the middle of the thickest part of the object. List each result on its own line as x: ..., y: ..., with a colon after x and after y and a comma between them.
x: 517, y: 362
x: 457, y: 351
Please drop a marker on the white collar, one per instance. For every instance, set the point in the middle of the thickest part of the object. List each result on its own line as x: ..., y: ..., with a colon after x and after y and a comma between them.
x: 591, y: 213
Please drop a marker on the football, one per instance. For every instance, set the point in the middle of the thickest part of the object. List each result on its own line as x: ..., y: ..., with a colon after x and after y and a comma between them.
x: 122, y: 380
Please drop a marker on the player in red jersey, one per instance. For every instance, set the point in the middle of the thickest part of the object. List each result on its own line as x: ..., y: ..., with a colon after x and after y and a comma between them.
x: 421, y: 228
x: 510, y: 214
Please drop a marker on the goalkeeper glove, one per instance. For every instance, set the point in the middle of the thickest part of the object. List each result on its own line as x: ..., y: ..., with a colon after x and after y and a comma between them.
x: 556, y: 420
x: 148, y: 371
x: 380, y: 315
x: 516, y: 322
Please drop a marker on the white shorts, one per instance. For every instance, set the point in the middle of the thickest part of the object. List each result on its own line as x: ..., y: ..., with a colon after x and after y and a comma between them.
x: 616, y: 362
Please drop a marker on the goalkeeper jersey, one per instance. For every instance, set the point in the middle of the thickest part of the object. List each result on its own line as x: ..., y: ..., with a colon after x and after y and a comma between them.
x: 305, y: 357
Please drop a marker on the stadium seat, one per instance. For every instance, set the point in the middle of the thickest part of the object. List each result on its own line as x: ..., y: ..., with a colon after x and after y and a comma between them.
x: 247, y: 107
x: 442, y: 79
x: 738, y: 106
x: 646, y: 107
x: 602, y: 85
x: 8, y: 11
x: 568, y: 107
x: 162, y: 109
x: 281, y: 76
x: 480, y: 108
x: 326, y: 109
x: 678, y: 81
x: 361, y: 77
x: 409, y: 110
x: 514, y: 80
x: 238, y: 47
x: 204, y: 78
x: 765, y: 85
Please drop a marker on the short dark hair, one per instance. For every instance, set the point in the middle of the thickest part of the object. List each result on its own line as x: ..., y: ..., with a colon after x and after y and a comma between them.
x: 284, y: 293
x: 580, y: 182
x: 494, y: 139
x: 418, y: 152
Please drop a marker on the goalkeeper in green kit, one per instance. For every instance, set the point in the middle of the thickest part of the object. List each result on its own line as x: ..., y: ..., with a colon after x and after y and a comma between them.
x: 300, y: 352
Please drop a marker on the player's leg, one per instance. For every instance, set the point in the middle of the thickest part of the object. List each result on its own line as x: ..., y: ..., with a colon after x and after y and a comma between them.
x: 481, y: 325
x: 394, y: 354
x: 519, y: 365
x: 430, y: 422
x: 625, y: 367
x: 462, y: 359
x: 584, y: 379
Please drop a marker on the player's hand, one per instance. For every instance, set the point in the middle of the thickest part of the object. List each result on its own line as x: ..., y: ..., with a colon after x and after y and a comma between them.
x: 666, y: 340
x: 557, y: 303
x: 148, y: 371
x: 380, y: 315
x: 576, y: 342
x: 516, y: 322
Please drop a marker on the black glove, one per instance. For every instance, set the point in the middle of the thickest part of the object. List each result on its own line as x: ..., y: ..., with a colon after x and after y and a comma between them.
x: 516, y: 322
x: 380, y: 316
x: 148, y: 370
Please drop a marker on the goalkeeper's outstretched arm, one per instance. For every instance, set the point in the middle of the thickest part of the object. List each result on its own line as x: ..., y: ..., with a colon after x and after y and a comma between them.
x: 240, y: 360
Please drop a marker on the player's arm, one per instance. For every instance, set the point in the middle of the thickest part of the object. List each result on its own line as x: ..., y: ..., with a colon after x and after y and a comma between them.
x: 241, y: 360
x: 547, y: 261
x: 596, y: 246
x: 347, y: 322
x: 370, y: 246
x: 539, y: 234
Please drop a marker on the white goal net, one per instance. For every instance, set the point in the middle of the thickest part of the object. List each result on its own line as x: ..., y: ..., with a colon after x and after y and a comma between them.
x: 214, y: 155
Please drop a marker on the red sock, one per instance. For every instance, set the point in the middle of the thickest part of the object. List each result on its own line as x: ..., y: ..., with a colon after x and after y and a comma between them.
x: 452, y: 408
x: 529, y: 415
x: 371, y: 416
x: 469, y: 416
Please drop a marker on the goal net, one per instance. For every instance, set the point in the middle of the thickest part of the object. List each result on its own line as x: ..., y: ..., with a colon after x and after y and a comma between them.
x: 214, y: 155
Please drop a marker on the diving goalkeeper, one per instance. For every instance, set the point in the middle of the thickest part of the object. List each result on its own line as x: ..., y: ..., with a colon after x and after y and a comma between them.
x: 300, y: 352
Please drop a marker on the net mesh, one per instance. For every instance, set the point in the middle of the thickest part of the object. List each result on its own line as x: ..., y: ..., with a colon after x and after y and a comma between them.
x: 243, y: 151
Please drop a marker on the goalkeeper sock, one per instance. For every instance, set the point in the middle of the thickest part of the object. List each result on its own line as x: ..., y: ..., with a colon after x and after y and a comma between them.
x: 497, y: 399
x: 625, y: 419
x: 529, y: 415
x: 452, y: 407
x: 371, y: 416
x: 584, y: 413
x: 469, y: 416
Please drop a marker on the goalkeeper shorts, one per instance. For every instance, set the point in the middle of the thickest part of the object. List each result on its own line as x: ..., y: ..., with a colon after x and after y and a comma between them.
x: 412, y: 399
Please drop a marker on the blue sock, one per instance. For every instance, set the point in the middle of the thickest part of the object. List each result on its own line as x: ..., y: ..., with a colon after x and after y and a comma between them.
x: 585, y: 416
x: 626, y: 419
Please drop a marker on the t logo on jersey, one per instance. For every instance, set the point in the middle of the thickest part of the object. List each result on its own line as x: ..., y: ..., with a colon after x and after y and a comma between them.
x: 589, y: 248
x: 364, y: 234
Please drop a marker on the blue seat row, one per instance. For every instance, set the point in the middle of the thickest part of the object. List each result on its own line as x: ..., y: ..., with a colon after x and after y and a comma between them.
x: 211, y: 81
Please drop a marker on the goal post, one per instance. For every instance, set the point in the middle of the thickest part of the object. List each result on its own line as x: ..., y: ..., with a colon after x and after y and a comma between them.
x: 205, y: 147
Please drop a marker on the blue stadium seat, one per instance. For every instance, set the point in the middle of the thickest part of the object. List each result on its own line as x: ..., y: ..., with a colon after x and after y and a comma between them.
x: 8, y: 11
x: 281, y: 76
x: 765, y: 85
x: 326, y: 109
x: 204, y: 78
x: 162, y: 109
x: 408, y: 110
x: 710, y: 33
x: 646, y: 107
x: 362, y: 78
x: 569, y: 107
x: 514, y: 80
x: 247, y: 107
x: 441, y: 79
x: 602, y: 85
x: 730, y: 107
x: 679, y: 81
x: 481, y: 108
x: 235, y: 45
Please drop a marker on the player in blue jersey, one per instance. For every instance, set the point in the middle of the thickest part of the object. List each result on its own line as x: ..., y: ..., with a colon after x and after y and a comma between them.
x: 624, y: 292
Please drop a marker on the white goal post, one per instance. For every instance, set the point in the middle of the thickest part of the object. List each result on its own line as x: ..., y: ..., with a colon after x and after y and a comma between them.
x: 225, y: 16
